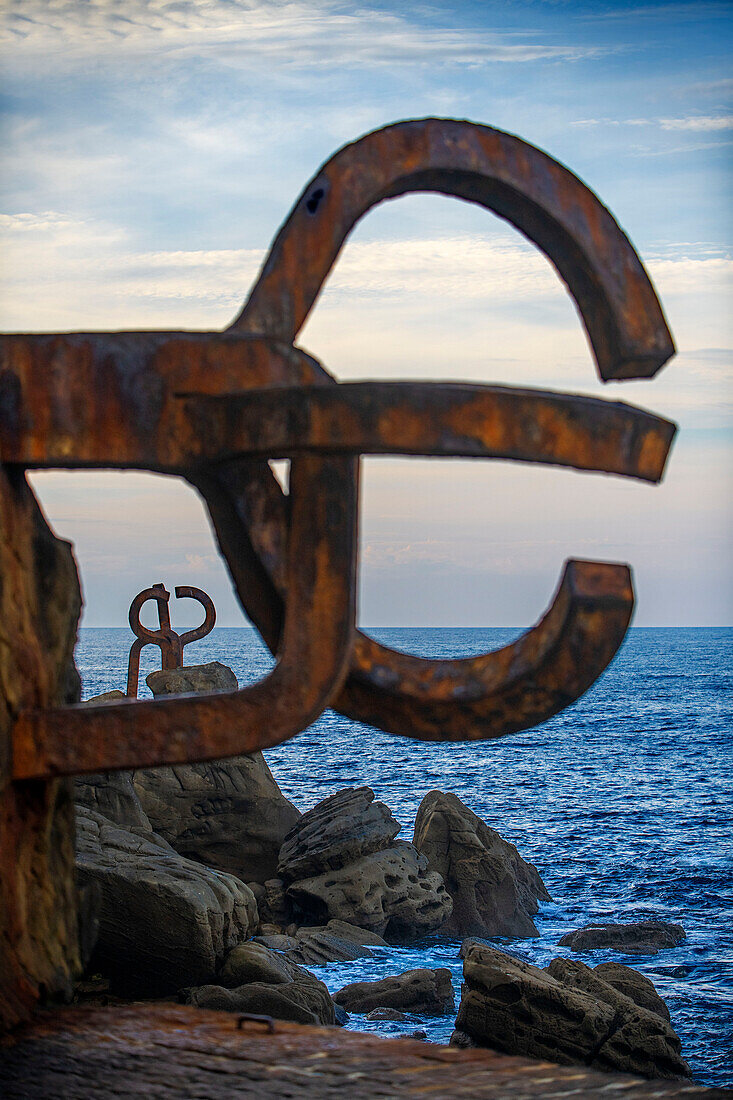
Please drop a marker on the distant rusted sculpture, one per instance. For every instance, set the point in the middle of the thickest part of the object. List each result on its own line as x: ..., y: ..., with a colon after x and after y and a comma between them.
x: 169, y: 642
x: 213, y: 407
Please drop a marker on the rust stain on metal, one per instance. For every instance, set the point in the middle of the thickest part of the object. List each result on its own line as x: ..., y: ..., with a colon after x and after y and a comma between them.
x: 213, y: 408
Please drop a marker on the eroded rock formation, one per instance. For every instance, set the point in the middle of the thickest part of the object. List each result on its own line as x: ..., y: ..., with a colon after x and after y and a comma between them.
x: 192, y: 680
x: 336, y: 941
x: 634, y: 985
x: 422, y: 991
x: 113, y: 795
x: 566, y: 1013
x: 494, y: 891
x: 358, y: 873
x: 336, y: 832
x: 303, y: 1002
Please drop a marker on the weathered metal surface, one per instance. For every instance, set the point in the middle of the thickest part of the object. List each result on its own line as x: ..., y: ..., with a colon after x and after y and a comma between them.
x: 170, y: 643
x: 40, y: 603
x: 427, y: 418
x: 213, y: 407
x: 313, y: 658
x: 433, y: 418
x: 111, y: 399
x: 499, y: 171
x: 176, y: 1051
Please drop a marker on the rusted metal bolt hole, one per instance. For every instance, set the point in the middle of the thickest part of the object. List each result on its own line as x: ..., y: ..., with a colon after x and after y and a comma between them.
x: 314, y: 201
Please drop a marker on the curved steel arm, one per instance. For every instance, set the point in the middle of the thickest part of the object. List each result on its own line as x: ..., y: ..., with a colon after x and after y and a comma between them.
x: 187, y: 591
x: 509, y: 689
x: 312, y: 660
x: 486, y: 696
x: 618, y: 305
x: 546, y: 202
x: 432, y: 418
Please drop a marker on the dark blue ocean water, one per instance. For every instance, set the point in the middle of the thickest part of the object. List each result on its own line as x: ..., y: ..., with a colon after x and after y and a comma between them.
x: 623, y: 802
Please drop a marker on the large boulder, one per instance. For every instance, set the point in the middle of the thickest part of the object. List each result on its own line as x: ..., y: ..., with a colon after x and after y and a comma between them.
x: 391, y: 893
x: 645, y: 937
x: 341, y: 862
x: 336, y: 832
x: 336, y: 941
x: 566, y: 1013
x: 299, y: 1001
x: 164, y: 921
x: 427, y: 992
x: 255, y: 979
x: 253, y: 962
x: 494, y: 891
x: 192, y: 680
x: 229, y: 814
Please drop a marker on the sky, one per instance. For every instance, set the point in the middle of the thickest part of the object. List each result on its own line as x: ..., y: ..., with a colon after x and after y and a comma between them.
x: 153, y: 147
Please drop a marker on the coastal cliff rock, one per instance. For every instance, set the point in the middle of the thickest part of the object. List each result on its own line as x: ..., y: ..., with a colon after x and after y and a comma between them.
x: 113, y: 795
x: 427, y: 992
x: 494, y: 891
x: 645, y: 937
x: 566, y: 1013
x: 255, y: 979
x: 358, y: 873
x: 164, y: 921
x: 228, y: 814
x: 391, y: 893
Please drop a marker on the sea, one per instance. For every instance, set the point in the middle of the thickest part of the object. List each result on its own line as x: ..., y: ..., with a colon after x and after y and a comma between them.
x: 623, y: 803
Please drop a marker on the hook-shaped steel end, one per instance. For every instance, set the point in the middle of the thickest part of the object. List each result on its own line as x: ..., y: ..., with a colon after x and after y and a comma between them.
x: 546, y: 202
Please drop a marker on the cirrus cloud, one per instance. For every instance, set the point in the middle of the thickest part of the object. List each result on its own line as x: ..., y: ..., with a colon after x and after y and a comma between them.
x: 240, y: 33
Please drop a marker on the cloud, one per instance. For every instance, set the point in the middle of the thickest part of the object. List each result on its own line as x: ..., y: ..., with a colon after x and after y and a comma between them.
x: 301, y: 33
x: 613, y: 122
x: 645, y: 151
x: 679, y: 272
x: 698, y: 123
x: 715, y: 87
x: 695, y: 11
x: 488, y: 308
x: 85, y: 272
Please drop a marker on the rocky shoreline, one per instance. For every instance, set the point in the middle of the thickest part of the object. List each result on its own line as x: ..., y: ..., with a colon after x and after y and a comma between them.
x: 202, y: 883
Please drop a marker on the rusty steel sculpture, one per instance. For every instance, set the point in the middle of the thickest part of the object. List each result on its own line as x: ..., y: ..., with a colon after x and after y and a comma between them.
x: 170, y: 643
x: 214, y: 407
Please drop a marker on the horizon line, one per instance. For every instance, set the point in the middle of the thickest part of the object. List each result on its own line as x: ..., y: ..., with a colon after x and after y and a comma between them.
x: 422, y: 626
